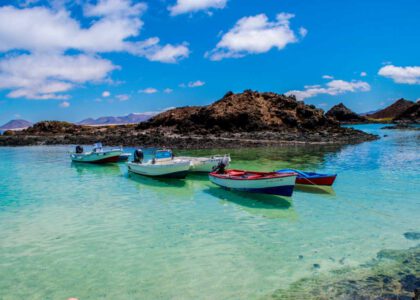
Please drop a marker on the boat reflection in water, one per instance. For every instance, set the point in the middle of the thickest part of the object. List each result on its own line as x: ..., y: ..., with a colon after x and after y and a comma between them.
x: 158, y: 182
x: 162, y: 188
x: 315, y: 189
x: 268, y: 206
x: 97, y: 170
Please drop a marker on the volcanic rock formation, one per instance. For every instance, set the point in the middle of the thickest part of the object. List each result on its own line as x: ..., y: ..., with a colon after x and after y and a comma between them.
x: 343, y: 114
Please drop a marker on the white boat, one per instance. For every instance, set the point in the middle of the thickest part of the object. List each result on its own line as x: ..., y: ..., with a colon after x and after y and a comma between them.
x: 163, y: 164
x: 97, y: 156
x: 206, y: 164
x: 255, y: 182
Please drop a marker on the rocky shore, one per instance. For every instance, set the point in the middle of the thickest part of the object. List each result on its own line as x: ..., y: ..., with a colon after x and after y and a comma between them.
x: 401, y: 126
x: 248, y: 119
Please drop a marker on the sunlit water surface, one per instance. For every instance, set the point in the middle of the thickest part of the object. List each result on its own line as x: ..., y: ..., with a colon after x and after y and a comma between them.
x: 96, y: 232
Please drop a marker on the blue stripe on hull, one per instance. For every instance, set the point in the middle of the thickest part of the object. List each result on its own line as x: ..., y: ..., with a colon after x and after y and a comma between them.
x: 286, y: 190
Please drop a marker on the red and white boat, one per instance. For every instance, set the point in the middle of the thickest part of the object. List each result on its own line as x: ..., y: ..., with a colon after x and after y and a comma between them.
x: 97, y: 156
x: 256, y: 182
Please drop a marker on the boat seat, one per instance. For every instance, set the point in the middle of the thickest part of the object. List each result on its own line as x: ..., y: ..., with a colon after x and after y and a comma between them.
x: 236, y: 173
x: 253, y: 177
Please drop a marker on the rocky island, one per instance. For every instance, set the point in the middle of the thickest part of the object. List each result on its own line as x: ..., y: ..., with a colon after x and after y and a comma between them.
x: 237, y: 120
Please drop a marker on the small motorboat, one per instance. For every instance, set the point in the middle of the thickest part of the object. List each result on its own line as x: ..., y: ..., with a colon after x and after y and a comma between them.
x: 206, y: 164
x: 124, y: 157
x: 163, y: 164
x: 256, y: 182
x: 98, y: 155
x: 311, y: 178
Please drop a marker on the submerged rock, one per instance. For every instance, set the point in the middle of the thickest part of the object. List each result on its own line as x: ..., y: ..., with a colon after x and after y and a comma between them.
x: 412, y: 235
x: 395, y: 274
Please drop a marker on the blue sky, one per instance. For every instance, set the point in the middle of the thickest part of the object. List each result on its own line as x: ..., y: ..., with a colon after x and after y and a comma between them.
x: 70, y: 60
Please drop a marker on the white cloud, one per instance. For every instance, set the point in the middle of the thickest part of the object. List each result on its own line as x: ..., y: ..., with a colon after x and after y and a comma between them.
x: 334, y: 87
x: 123, y: 97
x: 253, y: 35
x: 363, y: 74
x: 168, y: 53
x: 43, y: 76
x: 192, y: 84
x: 42, y: 29
x: 48, y: 33
x: 408, y: 75
x: 327, y: 77
x: 303, y: 31
x: 106, y: 94
x: 149, y: 90
x: 168, y: 91
x: 187, y: 6
x: 114, y: 8
x: 196, y: 83
x: 64, y: 104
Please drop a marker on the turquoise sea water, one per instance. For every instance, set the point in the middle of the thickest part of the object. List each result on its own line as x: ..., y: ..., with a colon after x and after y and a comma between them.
x: 95, y: 232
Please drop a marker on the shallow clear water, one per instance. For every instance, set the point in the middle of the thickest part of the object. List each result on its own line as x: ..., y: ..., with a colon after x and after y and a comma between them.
x: 95, y: 232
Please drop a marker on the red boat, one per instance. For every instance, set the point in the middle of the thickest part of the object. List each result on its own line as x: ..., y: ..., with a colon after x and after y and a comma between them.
x: 256, y: 182
x: 311, y: 178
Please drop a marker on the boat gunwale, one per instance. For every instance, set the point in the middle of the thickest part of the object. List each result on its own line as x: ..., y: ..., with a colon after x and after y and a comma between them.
x: 271, y: 175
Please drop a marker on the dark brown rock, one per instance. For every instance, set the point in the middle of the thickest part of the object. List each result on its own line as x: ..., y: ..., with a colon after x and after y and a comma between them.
x: 410, y: 115
x: 393, y: 110
x: 343, y: 114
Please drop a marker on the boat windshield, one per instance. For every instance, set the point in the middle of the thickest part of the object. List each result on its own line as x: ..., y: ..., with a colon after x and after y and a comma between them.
x: 161, y: 154
x: 97, y: 147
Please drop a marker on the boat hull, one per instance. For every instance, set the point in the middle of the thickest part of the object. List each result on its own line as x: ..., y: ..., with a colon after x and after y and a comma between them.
x: 327, y: 180
x: 97, y: 158
x: 282, y: 186
x: 124, y: 157
x: 204, y: 164
x: 175, y: 170
x: 311, y: 178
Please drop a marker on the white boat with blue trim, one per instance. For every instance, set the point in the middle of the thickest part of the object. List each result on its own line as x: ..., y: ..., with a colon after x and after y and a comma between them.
x: 255, y: 182
x: 163, y: 164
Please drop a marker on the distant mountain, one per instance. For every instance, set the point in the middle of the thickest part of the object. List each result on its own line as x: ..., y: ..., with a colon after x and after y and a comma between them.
x: 342, y: 114
x: 393, y: 110
x: 129, y: 119
x: 369, y: 112
x: 16, y: 124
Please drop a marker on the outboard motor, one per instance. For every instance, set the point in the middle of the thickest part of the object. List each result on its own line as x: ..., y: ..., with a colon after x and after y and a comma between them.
x: 220, y: 168
x: 138, y: 156
x: 79, y: 149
